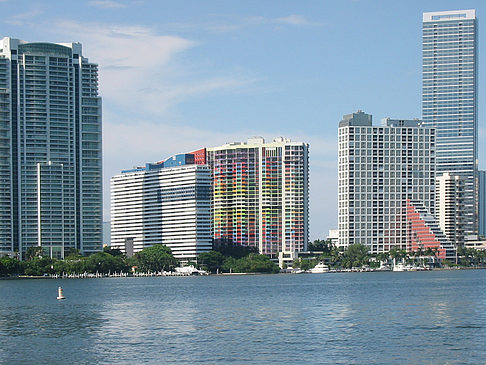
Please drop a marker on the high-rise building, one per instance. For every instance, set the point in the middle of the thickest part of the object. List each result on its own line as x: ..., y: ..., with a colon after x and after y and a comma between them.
x: 449, y: 206
x: 383, y: 171
x: 482, y: 202
x: 50, y: 149
x: 260, y: 196
x: 166, y: 203
x: 449, y: 98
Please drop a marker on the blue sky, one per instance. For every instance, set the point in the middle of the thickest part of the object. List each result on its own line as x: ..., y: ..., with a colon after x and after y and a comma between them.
x: 178, y: 75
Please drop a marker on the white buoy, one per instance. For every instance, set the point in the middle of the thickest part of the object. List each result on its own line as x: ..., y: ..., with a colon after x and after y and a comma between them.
x: 60, y: 294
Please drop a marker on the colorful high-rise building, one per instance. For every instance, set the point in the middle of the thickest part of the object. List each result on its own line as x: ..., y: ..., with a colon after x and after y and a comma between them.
x: 261, y: 195
x: 50, y: 149
x: 450, y: 98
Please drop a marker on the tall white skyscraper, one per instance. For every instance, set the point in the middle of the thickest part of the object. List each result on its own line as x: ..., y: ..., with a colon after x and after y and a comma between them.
x: 449, y: 98
x: 50, y: 149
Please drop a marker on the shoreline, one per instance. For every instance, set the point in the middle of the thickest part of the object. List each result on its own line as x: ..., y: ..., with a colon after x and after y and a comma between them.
x: 105, y: 276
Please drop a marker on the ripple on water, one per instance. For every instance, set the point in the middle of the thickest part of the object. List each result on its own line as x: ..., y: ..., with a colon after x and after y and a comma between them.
x: 378, y: 318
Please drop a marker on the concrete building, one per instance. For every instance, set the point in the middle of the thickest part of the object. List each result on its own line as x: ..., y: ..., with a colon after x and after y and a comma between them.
x: 449, y: 206
x: 333, y: 236
x: 261, y: 196
x: 381, y: 169
x: 450, y: 98
x: 476, y: 242
x: 482, y: 203
x: 167, y: 205
x: 50, y: 149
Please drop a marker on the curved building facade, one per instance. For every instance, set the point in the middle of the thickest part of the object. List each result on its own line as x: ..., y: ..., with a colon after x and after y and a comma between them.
x: 50, y: 149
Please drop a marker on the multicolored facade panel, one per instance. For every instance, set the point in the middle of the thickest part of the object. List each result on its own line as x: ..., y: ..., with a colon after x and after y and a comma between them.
x: 199, y: 156
x: 235, y: 196
x: 260, y: 196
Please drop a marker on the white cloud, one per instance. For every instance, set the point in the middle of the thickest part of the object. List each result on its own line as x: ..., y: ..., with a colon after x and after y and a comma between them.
x: 226, y: 24
x: 106, y: 4
x: 138, y: 68
x: 294, y: 19
x: 22, y: 18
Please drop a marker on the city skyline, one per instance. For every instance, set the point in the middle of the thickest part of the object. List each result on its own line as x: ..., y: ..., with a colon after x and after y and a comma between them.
x: 182, y: 77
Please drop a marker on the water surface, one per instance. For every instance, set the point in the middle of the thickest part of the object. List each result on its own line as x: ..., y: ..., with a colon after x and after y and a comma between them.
x: 345, y: 318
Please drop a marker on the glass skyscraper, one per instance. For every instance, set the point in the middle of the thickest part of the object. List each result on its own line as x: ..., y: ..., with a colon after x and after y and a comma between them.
x: 50, y: 149
x: 449, y: 98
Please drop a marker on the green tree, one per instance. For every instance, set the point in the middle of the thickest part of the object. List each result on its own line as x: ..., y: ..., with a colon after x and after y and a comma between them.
x: 105, y: 263
x: 72, y: 254
x: 355, y: 256
x: 39, y: 266
x: 252, y: 263
x: 9, y: 266
x: 33, y: 252
x: 113, y: 251
x: 320, y: 245
x: 235, y: 251
x: 156, y: 258
x: 211, y: 260
x: 305, y: 264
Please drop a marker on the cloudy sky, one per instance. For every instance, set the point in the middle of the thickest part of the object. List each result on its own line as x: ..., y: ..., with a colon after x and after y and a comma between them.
x: 177, y: 75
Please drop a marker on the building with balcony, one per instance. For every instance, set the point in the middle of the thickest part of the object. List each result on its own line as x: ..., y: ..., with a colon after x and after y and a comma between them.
x: 381, y: 169
x: 449, y: 206
x: 50, y: 149
x: 261, y: 196
x: 165, y: 203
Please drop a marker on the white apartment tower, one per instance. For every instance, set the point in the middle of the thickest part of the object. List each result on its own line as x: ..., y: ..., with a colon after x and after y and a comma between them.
x: 380, y: 170
x: 50, y: 149
x: 162, y: 205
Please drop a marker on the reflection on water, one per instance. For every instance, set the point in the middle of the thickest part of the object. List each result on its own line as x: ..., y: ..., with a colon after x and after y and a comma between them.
x: 349, y: 318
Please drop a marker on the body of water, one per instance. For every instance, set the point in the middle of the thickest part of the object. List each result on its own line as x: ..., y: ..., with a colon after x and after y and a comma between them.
x: 344, y: 318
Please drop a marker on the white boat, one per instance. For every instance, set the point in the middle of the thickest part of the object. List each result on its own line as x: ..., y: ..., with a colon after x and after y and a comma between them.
x: 399, y: 267
x: 319, y: 269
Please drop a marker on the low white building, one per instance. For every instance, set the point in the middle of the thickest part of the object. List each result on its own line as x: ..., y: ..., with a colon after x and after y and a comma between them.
x: 449, y: 206
x: 166, y: 205
x: 333, y: 236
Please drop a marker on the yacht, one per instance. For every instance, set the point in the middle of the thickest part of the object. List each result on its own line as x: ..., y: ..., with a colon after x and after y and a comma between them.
x: 319, y: 269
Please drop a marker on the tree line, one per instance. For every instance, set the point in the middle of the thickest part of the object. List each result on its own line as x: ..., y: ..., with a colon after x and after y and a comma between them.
x: 157, y: 258
x: 151, y: 259
x: 357, y: 255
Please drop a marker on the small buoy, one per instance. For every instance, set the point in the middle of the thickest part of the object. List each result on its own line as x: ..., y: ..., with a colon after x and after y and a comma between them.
x: 60, y: 294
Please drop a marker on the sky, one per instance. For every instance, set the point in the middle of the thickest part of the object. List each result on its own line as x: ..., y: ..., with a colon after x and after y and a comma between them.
x: 178, y: 75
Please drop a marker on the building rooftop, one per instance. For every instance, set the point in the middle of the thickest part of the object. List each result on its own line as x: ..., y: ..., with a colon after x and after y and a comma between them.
x: 438, y: 16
